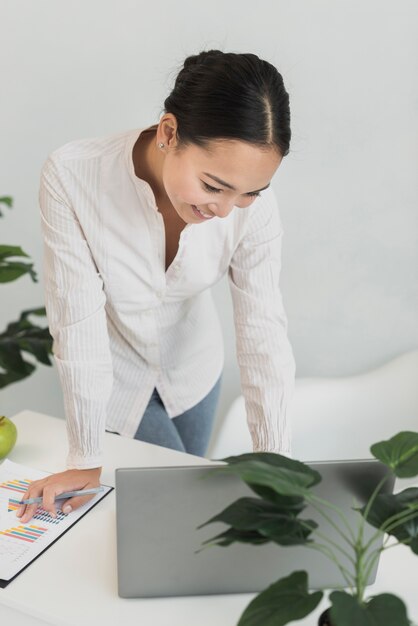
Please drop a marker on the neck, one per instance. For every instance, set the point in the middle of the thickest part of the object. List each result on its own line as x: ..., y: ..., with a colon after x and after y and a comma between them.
x: 148, y: 162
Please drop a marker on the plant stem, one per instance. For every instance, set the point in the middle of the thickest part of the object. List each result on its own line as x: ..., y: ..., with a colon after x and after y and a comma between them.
x: 407, y: 518
x: 364, y: 565
x: 404, y: 516
x: 326, y: 551
x: 369, y: 506
x: 362, y: 570
x: 372, y: 560
x: 376, y: 553
x: 312, y: 499
x: 330, y: 541
x: 361, y: 580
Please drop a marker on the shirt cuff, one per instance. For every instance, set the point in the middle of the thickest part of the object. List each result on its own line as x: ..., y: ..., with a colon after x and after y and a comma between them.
x: 287, y: 453
x: 79, y: 462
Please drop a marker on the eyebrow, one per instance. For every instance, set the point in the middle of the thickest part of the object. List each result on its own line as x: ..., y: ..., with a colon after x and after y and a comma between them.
x: 222, y: 182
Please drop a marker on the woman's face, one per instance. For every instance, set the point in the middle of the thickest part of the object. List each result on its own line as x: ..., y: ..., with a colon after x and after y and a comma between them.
x: 202, y: 185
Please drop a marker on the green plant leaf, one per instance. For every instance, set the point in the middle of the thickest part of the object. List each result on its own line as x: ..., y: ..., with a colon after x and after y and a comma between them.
x: 39, y: 311
x: 232, y: 535
x: 23, y: 327
x: 277, y: 460
x: 23, y: 336
x: 400, y: 453
x: 246, y: 514
x: 284, y: 482
x: 382, y: 610
x: 281, y: 480
x: 13, y: 377
x: 11, y: 358
x: 252, y: 514
x: 249, y: 513
x: 8, y: 201
x: 12, y: 270
x: 386, y: 506
x: 293, y: 504
x: 290, y: 504
x: 24, y: 323
x: 346, y: 611
x: 284, y: 601
x: 40, y: 348
x: 387, y: 610
x: 288, y: 531
x: 13, y: 365
x: 11, y: 251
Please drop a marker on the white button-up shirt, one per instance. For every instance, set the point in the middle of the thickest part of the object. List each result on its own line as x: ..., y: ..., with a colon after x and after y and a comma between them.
x: 122, y: 325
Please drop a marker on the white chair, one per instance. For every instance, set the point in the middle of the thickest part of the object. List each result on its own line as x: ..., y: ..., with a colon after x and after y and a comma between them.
x: 337, y: 418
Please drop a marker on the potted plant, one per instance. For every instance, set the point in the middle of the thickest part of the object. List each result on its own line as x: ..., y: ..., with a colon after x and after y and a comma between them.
x: 283, y: 487
x: 19, y: 337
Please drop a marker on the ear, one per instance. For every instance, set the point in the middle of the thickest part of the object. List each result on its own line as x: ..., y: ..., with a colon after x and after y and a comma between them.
x: 167, y: 130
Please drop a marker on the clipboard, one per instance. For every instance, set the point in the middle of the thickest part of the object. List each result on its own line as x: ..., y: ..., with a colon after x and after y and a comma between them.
x: 21, y: 544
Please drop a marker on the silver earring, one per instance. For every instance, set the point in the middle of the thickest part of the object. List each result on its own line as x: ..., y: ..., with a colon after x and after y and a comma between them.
x: 161, y: 145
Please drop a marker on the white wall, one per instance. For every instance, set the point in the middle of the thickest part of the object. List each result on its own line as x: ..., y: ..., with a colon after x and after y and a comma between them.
x: 348, y: 191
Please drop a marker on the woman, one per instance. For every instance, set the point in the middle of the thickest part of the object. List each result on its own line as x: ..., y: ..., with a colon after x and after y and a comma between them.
x: 137, y: 227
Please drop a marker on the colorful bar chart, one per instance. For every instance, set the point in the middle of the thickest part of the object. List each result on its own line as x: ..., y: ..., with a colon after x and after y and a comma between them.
x: 24, y: 533
x: 13, y: 505
x: 16, y: 485
x: 41, y: 515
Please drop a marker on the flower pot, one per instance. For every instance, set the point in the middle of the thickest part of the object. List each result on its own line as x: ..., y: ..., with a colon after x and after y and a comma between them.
x: 324, y: 619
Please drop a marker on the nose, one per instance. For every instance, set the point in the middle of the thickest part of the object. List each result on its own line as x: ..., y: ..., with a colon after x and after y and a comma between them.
x: 221, y: 209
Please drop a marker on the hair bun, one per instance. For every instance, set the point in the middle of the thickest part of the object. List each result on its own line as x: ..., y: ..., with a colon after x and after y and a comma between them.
x: 202, y: 58
x: 229, y: 95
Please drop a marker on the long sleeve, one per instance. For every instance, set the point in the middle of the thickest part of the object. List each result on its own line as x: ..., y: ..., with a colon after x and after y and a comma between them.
x: 264, y: 354
x: 75, y: 300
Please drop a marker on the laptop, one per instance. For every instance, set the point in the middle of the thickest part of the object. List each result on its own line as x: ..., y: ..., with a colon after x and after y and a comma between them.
x: 158, y: 510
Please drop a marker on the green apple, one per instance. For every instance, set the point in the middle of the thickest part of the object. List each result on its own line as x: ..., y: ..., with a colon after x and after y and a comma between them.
x: 8, y: 436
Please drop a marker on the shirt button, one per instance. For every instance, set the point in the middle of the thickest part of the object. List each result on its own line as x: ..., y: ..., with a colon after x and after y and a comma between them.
x: 160, y: 294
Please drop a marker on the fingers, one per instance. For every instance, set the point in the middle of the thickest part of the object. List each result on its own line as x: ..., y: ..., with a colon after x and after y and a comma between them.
x: 26, y: 511
x: 39, y: 489
x: 73, y: 503
x: 22, y: 507
x: 52, y: 486
x: 48, y: 502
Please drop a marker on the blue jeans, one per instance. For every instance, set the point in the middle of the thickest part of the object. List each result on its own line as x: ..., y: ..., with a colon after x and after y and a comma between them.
x: 189, y: 432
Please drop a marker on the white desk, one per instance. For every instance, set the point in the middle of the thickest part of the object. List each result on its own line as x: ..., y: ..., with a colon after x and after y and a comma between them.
x: 74, y: 582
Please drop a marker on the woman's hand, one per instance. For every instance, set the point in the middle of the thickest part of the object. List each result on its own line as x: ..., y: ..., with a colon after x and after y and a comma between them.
x: 53, y: 486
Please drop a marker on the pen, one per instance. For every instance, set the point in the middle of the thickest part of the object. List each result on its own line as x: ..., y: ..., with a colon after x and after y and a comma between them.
x: 64, y: 496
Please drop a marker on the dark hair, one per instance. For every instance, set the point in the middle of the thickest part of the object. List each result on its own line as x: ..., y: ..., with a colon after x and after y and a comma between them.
x: 226, y: 95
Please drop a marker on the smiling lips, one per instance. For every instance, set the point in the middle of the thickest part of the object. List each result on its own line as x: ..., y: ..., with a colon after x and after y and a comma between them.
x: 200, y: 213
